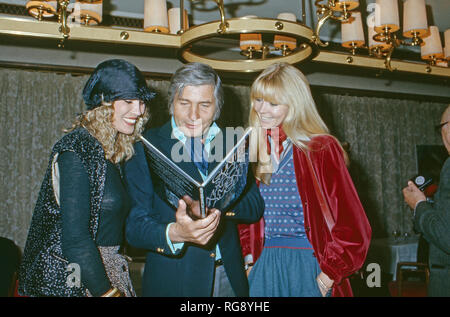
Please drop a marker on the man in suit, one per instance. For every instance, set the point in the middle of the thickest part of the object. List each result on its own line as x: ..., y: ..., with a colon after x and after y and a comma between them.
x: 433, y: 219
x: 189, y: 256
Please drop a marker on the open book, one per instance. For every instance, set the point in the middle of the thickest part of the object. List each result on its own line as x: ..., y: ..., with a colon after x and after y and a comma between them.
x: 219, y: 190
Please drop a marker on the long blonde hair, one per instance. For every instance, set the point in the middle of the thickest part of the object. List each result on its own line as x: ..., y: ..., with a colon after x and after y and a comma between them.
x: 98, y: 121
x: 284, y: 84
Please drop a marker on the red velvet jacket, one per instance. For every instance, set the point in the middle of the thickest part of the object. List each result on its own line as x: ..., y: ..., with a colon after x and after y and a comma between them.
x: 344, y: 251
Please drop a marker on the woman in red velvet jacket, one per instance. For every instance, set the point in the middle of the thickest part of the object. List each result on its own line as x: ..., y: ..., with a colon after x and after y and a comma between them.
x: 299, y: 252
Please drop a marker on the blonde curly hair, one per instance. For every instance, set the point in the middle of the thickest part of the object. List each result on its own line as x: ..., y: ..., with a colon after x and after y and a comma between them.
x: 116, y: 145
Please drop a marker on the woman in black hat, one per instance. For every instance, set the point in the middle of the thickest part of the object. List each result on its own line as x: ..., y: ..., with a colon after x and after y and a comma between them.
x: 77, y: 225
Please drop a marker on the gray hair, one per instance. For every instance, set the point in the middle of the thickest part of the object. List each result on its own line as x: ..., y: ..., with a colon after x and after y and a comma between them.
x: 196, y: 74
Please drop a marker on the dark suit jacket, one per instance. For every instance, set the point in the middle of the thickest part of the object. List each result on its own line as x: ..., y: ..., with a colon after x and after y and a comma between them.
x: 191, y: 272
x: 433, y: 221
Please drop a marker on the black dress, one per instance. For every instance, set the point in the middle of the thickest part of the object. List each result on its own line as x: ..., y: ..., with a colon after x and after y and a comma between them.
x: 77, y: 243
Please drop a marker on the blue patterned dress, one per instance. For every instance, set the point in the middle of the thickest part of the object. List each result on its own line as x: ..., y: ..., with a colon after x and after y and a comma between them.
x: 287, y: 266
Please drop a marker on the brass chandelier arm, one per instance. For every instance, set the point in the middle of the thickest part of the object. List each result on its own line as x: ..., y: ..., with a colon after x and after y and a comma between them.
x: 331, y: 7
x: 390, y: 38
x: 223, y: 26
x: 325, y: 12
x: 64, y: 28
x: 388, y: 59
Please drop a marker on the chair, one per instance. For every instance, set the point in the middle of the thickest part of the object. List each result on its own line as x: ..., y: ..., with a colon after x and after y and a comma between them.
x: 10, y: 257
x: 412, y: 280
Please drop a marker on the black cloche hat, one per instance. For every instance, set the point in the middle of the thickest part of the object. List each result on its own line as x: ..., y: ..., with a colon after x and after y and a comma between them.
x: 115, y: 79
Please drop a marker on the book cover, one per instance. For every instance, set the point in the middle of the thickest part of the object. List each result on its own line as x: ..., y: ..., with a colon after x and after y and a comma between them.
x: 219, y: 190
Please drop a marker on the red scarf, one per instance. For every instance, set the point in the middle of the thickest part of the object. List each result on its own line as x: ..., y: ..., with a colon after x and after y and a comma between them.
x: 277, y: 135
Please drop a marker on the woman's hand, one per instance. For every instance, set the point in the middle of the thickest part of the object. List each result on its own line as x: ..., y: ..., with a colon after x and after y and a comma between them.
x: 249, y: 268
x: 324, y: 282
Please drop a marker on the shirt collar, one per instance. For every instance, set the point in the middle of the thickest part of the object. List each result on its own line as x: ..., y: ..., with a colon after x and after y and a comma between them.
x: 287, y: 145
x: 212, y: 132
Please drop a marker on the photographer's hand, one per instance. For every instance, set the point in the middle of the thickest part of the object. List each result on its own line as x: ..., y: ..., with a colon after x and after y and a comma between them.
x: 413, y: 195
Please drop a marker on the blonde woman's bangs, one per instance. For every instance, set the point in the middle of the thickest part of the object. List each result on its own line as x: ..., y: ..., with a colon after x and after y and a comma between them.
x: 269, y: 88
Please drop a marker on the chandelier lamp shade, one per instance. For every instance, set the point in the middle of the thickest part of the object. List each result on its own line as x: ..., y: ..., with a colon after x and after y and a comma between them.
x: 352, y: 32
x: 432, y: 50
x: 447, y: 44
x: 156, y: 16
x: 415, y: 19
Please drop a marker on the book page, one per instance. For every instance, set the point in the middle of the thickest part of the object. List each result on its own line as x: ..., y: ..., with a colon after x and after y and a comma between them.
x: 222, y: 187
x: 170, y: 182
x: 227, y: 182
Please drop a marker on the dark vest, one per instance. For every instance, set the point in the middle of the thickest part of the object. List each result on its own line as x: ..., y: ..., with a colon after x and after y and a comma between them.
x: 44, y: 270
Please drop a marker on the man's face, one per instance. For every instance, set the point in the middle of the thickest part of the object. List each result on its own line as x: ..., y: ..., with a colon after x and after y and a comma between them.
x: 194, y: 109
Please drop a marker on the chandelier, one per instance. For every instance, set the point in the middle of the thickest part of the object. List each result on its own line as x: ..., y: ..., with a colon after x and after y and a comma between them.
x: 382, y: 27
x: 257, y: 42
x: 291, y: 42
